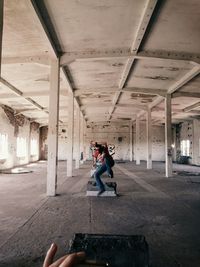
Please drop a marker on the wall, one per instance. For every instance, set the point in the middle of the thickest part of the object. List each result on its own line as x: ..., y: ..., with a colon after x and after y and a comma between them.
x: 190, y: 131
x: 16, y: 125
x: 112, y: 133
x: 119, y: 135
x: 158, y: 142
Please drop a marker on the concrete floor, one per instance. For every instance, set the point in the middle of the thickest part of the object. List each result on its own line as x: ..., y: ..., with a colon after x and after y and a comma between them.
x: 165, y: 210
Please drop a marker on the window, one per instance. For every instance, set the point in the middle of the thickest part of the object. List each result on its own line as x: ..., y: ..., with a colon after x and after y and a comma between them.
x: 3, y: 146
x: 34, y: 147
x: 185, y: 147
x: 21, y: 147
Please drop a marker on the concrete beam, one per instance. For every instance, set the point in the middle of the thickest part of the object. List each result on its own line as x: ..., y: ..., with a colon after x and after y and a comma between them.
x: 106, y: 90
x: 194, y: 106
x: 147, y: 91
x: 145, y: 18
x: 186, y: 94
x: 42, y: 60
x: 184, y: 79
x: 67, y: 58
x: 70, y: 57
x: 18, y: 93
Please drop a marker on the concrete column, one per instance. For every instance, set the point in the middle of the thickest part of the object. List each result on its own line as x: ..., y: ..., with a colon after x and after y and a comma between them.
x: 77, y: 138
x: 168, y: 137
x: 137, y: 141
x: 81, y: 136
x: 70, y: 134
x: 1, y: 30
x: 131, y: 140
x: 149, y: 139
x: 84, y: 141
x: 53, y: 128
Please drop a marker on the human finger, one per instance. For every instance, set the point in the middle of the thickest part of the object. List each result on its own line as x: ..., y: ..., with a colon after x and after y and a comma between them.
x: 50, y: 255
x: 73, y: 259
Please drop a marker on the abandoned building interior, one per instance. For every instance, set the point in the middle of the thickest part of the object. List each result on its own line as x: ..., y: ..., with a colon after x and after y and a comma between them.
x: 125, y: 72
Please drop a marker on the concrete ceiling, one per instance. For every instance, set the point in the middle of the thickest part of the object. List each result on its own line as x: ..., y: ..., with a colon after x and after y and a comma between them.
x: 118, y: 57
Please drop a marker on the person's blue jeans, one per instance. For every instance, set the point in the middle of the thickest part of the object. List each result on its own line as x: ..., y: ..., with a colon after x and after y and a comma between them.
x: 109, y: 167
x: 97, y: 176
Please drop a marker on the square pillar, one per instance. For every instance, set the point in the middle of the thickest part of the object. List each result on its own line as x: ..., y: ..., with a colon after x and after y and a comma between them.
x: 168, y: 136
x: 53, y: 128
x: 77, y: 138
x: 81, y: 137
x: 1, y: 30
x: 131, y: 140
x: 70, y: 134
x: 137, y: 141
x: 149, y: 139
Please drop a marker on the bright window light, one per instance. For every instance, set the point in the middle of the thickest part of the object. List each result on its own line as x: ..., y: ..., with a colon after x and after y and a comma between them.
x: 21, y: 147
x: 3, y: 146
x: 185, y: 147
x: 34, y: 147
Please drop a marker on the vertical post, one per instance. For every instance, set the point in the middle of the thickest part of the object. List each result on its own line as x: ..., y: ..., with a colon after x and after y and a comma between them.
x: 84, y: 140
x: 131, y: 140
x: 81, y: 138
x: 137, y: 137
x: 1, y: 30
x: 168, y: 137
x: 70, y: 134
x: 149, y: 139
x: 77, y: 130
x: 53, y: 128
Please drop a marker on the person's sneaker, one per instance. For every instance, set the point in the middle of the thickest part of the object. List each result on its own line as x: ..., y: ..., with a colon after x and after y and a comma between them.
x: 101, y: 192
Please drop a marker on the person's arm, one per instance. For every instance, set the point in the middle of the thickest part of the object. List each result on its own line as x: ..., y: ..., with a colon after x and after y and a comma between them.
x: 69, y: 260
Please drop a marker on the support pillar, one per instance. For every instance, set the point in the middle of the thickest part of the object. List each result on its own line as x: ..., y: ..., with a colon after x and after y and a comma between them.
x: 53, y: 129
x: 1, y: 30
x: 84, y: 140
x: 70, y: 134
x: 81, y: 137
x: 137, y: 137
x: 149, y: 139
x: 131, y: 140
x: 77, y: 139
x: 168, y: 137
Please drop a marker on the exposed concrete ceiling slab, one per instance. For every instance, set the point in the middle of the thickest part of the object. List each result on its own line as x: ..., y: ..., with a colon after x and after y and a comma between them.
x: 160, y: 74
x: 176, y: 27
x: 96, y: 73
x: 87, y: 25
x: 22, y: 33
x: 118, y: 57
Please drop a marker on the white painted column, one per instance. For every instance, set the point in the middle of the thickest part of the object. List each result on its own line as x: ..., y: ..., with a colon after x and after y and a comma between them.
x: 1, y: 30
x: 149, y: 139
x: 77, y: 142
x: 81, y: 136
x: 53, y: 128
x: 137, y: 139
x: 84, y: 140
x: 70, y: 134
x: 168, y: 137
x: 131, y: 140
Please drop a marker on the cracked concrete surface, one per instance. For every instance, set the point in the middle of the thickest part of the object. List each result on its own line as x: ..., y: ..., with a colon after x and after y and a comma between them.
x: 165, y: 210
